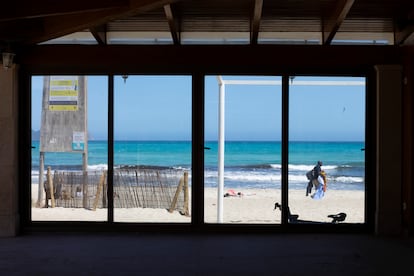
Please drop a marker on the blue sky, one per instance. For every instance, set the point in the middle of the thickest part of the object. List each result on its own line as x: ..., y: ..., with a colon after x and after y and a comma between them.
x: 159, y: 108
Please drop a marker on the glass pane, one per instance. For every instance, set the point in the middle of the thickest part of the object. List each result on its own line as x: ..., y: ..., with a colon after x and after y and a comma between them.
x: 245, y: 188
x: 69, y: 148
x: 152, y: 148
x: 327, y: 124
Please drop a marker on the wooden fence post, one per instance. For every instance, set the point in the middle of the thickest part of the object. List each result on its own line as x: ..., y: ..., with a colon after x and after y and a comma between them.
x: 51, y: 190
x: 177, y: 193
x: 41, y: 182
x: 99, y: 190
x: 85, y: 189
x: 186, y: 211
x: 105, y: 193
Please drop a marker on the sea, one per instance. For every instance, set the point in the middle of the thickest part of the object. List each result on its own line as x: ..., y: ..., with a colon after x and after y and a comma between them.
x: 248, y: 164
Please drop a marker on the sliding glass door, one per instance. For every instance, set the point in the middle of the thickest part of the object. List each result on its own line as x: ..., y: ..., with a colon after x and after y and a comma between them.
x: 326, y: 150
x: 152, y: 149
x: 242, y: 149
x: 69, y: 148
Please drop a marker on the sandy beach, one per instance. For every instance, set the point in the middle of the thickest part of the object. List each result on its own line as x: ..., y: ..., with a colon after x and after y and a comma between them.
x: 254, y: 206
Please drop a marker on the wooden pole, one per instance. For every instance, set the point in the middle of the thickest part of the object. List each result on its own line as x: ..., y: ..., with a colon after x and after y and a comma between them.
x: 82, y: 86
x: 177, y: 193
x: 137, y: 185
x: 99, y: 190
x: 85, y: 189
x: 51, y: 190
x: 41, y: 187
x: 104, y: 204
x: 186, y: 212
x: 45, y: 98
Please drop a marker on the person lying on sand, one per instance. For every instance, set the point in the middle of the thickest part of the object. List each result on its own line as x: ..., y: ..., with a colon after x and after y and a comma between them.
x: 231, y: 192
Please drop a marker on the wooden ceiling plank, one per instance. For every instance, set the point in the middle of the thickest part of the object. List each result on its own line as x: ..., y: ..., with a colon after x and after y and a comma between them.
x: 332, y: 24
x: 257, y: 15
x: 58, y: 26
x: 54, y: 27
x: 172, y: 22
x: 23, y: 9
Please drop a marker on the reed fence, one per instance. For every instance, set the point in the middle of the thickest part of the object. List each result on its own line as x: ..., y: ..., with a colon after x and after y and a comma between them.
x: 132, y: 188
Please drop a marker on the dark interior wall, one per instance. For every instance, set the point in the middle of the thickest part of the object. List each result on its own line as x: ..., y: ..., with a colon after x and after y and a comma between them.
x: 407, y: 134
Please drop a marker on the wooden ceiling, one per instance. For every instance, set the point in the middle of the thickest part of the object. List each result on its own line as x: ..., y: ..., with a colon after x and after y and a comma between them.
x: 28, y: 22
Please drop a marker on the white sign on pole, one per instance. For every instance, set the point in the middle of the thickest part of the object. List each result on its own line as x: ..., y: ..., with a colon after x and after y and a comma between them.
x: 78, y: 141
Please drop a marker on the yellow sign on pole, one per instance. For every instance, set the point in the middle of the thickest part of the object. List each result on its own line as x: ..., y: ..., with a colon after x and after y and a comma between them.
x: 64, y: 93
x: 64, y: 114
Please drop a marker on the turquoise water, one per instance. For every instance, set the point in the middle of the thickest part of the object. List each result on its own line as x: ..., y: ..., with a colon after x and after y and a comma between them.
x: 247, y: 164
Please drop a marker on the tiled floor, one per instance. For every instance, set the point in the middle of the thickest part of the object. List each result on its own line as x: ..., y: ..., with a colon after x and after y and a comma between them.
x: 201, y: 254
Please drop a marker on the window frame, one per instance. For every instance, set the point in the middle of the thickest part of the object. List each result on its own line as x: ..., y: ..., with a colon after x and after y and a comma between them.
x: 198, y: 74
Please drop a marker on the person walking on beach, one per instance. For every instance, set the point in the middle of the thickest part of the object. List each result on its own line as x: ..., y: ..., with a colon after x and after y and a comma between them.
x: 320, y: 186
x: 312, y: 175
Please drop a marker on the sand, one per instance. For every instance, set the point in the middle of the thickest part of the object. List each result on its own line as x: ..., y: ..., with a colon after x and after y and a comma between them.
x: 255, y: 206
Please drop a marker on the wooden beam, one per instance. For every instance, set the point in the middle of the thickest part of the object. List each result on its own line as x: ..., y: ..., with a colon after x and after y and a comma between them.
x: 57, y: 26
x: 404, y: 24
x: 402, y: 33
x: 99, y: 33
x: 332, y: 24
x: 257, y: 15
x: 173, y: 23
x: 28, y: 9
x: 186, y: 59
